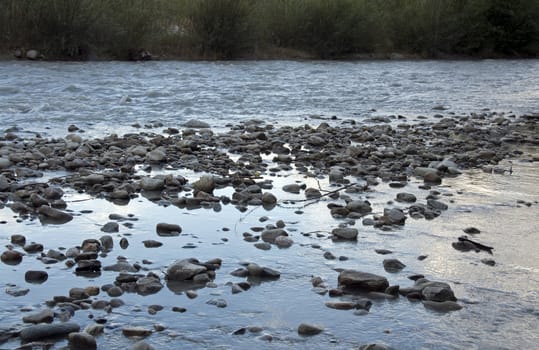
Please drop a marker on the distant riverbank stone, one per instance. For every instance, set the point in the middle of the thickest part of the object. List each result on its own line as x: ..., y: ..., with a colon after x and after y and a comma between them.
x: 362, y: 281
x: 41, y: 331
x: 152, y: 183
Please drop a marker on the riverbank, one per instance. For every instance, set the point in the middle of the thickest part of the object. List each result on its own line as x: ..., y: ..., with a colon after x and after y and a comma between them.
x: 280, y: 222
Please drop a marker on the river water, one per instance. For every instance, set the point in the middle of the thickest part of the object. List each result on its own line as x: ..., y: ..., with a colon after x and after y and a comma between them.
x: 500, y: 302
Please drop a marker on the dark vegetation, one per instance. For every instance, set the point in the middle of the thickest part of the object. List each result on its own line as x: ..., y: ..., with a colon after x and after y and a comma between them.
x: 229, y: 29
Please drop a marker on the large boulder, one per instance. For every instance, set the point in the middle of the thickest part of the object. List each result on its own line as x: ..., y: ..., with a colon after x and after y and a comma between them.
x: 362, y: 281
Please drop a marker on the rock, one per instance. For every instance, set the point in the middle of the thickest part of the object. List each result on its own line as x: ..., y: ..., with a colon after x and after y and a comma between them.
x: 94, y: 179
x: 357, y: 206
x: 44, y: 316
x: 142, y: 345
x: 95, y: 329
x: 152, y: 183
x: 263, y: 246
x: 111, y: 227
x: 11, y: 257
x: 220, y: 303
x: 383, y: 251
x: 185, y: 269
x: 16, y: 291
x: 18, y: 239
x: 156, y: 156
x: 393, y: 216
x: 168, y: 230
x: 196, y: 124
x: 50, y: 215
x: 78, y: 293
x: 32, y: 248
x: 283, y: 242
x: 268, y: 198
x: 432, y: 178
x: 32, y: 54
x: 429, y: 290
x: 150, y: 243
x: 406, y: 197
x: 37, y: 277
x: 42, y: 331
x: 444, y: 306
x: 472, y: 230
x: 81, y: 341
x: 136, y: 332
x: 348, y: 233
x: 107, y: 243
x: 4, y: 163
x: 375, y: 346
x: 306, y: 329
x: 393, y: 265
x: 292, y: 188
x: 271, y: 234
x: 362, y: 281
x: 489, y: 262
x: 148, y: 285
x: 205, y: 184
x: 437, y: 205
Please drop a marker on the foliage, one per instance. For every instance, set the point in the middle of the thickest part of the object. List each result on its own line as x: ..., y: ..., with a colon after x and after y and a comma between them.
x: 228, y: 29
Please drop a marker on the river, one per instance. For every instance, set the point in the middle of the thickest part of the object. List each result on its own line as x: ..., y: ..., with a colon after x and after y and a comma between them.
x: 500, y: 302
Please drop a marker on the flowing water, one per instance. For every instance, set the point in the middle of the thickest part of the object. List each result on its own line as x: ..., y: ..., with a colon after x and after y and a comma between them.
x: 500, y: 302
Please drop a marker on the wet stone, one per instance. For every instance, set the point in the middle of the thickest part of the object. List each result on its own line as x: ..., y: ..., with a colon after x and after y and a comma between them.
x: 18, y: 240
x: 82, y: 341
x: 42, y: 331
x: 44, y: 316
x: 306, y: 329
x: 393, y: 265
x: 15, y: 291
x: 36, y: 277
x: 111, y: 227
x: 11, y: 257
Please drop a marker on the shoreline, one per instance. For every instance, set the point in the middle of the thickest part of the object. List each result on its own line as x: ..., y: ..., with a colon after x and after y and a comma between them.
x: 279, y: 54
x: 355, y: 163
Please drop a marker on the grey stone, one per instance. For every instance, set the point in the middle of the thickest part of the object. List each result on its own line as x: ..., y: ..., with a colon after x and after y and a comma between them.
x: 111, y: 227
x: 81, y: 341
x: 362, y: 281
x: 406, y: 197
x: 205, y: 184
x: 306, y: 329
x: 185, y: 269
x: 196, y: 124
x: 348, y: 233
x: 152, y: 183
x: 164, y: 229
x: 44, y: 316
x: 37, y: 277
x: 443, y: 306
x: 53, y: 216
x: 42, y: 331
x: 271, y: 234
x: 393, y: 265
